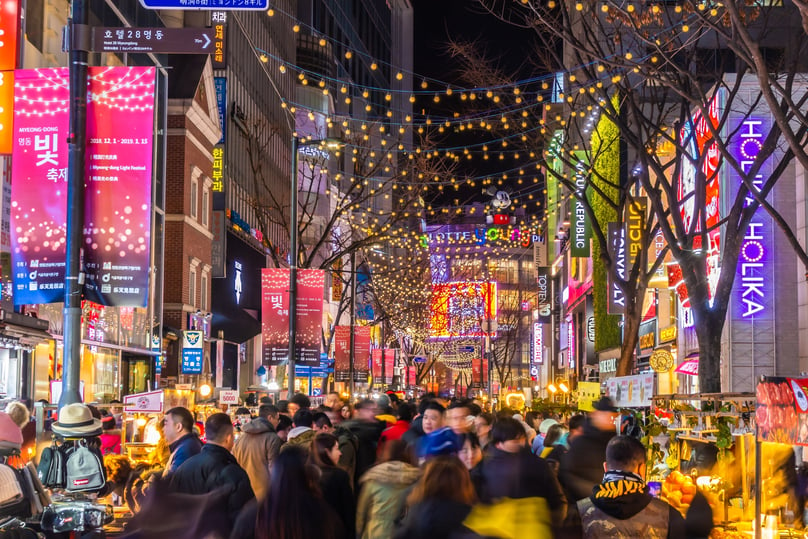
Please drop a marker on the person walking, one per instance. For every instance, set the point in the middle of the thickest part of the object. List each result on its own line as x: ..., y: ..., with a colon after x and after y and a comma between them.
x: 367, y: 430
x: 439, y: 502
x: 215, y: 468
x: 334, y: 482
x: 383, y: 489
x: 515, y: 481
x: 178, y: 431
x: 302, y: 434
x: 257, y: 447
x: 293, y: 507
x: 620, y: 506
x: 404, y: 414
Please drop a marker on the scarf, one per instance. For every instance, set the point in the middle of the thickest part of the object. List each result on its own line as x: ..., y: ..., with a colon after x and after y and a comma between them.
x: 617, y: 483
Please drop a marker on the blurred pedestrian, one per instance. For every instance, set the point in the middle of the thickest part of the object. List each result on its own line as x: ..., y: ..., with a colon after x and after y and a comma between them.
x: 110, y: 436
x: 257, y: 447
x: 516, y: 480
x: 348, y: 443
x: 215, y: 467
x: 367, y: 430
x: 396, y: 431
x: 482, y: 427
x: 538, y: 442
x: 293, y: 507
x: 283, y: 427
x: 299, y: 401
x: 383, y: 489
x: 458, y: 417
x: 334, y: 482
x: 439, y: 502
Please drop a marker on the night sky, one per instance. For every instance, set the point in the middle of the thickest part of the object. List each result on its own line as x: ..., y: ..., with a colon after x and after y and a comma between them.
x: 435, y: 22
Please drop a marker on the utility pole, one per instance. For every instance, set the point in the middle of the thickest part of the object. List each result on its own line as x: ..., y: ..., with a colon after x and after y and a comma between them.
x: 352, y: 354
x: 292, y: 271
x: 77, y: 140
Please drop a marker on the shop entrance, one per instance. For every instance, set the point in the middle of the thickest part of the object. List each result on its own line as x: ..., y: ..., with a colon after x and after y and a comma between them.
x: 137, y: 373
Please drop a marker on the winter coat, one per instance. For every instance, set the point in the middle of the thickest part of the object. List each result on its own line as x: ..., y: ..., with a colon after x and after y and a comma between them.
x: 382, y: 493
x: 337, y: 493
x: 348, y: 444
x: 622, y: 509
x: 367, y: 432
x: 415, y: 431
x: 581, y: 467
x: 522, y: 475
x: 302, y: 438
x: 435, y: 519
x: 181, y: 450
x: 214, y: 467
x: 255, y: 450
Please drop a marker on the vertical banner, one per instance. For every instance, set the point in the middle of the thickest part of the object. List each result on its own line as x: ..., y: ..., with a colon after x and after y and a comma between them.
x: 157, y: 349
x: 580, y: 228
x: 6, y: 110
x: 544, y: 298
x: 275, y: 315
x: 219, y: 21
x: 39, y: 186
x: 591, y: 358
x: 193, y: 352
x: 308, y: 337
x: 540, y: 251
x: 118, y: 176
x: 220, y: 83
x: 361, y: 353
x: 636, y: 210
x: 342, y: 353
x: 617, y: 241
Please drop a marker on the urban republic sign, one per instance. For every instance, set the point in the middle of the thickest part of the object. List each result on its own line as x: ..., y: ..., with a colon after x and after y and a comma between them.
x: 206, y: 4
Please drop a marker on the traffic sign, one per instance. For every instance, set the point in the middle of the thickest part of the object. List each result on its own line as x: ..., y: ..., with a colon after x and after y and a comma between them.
x: 465, y: 349
x: 206, y: 4
x: 155, y: 40
x: 419, y: 359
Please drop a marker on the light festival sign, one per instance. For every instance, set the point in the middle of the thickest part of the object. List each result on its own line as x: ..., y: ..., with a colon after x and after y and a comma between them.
x: 754, y: 274
x: 524, y: 237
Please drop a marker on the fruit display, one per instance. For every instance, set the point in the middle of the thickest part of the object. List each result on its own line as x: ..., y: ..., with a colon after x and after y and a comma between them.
x: 678, y: 490
x: 722, y: 533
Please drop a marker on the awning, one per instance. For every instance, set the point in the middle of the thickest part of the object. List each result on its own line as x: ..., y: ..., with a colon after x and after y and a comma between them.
x: 689, y: 367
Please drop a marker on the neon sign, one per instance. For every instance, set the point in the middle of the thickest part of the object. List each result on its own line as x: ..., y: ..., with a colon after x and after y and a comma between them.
x: 459, y: 309
x: 482, y: 235
x: 538, y: 347
x: 752, y: 261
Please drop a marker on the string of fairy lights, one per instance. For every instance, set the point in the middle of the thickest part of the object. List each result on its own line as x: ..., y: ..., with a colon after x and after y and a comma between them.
x: 513, y: 116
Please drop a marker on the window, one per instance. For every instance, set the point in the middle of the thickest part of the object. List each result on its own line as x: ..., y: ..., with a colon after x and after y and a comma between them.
x: 205, y: 206
x: 194, y: 195
x: 192, y: 286
x: 203, y: 292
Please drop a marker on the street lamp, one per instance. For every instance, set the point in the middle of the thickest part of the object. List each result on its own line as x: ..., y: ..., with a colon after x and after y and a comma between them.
x: 331, y: 144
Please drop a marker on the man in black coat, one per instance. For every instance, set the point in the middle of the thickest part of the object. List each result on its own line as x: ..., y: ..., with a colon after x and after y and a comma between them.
x: 215, y: 467
x: 367, y: 430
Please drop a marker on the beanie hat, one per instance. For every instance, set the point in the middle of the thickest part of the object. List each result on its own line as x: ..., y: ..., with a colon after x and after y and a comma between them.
x: 10, y: 433
x: 440, y: 442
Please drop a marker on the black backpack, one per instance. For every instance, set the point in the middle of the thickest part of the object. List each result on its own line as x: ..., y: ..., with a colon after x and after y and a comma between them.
x: 51, y: 470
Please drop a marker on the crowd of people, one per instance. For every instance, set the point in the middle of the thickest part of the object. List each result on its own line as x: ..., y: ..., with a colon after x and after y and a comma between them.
x: 389, y: 468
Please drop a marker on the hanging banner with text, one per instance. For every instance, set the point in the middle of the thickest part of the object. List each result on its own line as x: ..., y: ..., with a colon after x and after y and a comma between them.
x: 388, y: 357
x: 118, y: 176
x: 616, y: 303
x: 636, y: 210
x: 580, y: 228
x: 544, y: 295
x: 342, y: 355
x: 275, y: 315
x: 39, y: 185
x: 117, y: 225
x: 361, y: 353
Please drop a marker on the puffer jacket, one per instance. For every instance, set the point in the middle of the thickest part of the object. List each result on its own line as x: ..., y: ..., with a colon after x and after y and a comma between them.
x: 381, y: 498
x: 302, y: 439
x: 255, y: 449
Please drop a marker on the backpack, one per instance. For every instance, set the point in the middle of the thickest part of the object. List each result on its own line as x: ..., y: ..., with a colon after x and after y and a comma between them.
x: 84, y: 470
x: 51, y: 468
x: 13, y: 494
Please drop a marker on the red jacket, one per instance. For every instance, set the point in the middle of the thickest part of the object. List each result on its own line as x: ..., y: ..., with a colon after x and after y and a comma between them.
x: 394, y: 432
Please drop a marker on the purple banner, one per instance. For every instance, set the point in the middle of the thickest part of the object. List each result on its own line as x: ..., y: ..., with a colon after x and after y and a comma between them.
x: 39, y: 185
x: 117, y: 221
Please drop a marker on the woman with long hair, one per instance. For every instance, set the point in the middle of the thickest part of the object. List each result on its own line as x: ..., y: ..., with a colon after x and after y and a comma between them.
x: 383, y: 488
x: 293, y: 507
x: 439, y: 502
x: 334, y: 481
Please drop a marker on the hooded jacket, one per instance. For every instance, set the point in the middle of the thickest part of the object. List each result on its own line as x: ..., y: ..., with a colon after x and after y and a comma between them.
x: 381, y: 498
x: 255, y: 450
x: 435, y: 519
x: 301, y: 437
x: 214, y: 468
x: 621, y: 507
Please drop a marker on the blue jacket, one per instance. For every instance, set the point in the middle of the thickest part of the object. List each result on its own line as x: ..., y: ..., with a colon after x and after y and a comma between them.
x: 181, y: 450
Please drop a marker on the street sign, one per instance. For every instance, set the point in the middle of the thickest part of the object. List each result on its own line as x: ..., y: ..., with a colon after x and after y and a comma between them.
x: 155, y: 40
x: 419, y: 359
x: 206, y: 4
x: 228, y: 396
x: 465, y: 349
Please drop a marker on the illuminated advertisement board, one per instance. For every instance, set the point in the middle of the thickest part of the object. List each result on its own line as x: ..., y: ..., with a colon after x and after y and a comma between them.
x: 457, y: 309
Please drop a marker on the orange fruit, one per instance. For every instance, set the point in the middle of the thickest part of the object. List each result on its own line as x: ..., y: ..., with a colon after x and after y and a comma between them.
x: 689, y: 489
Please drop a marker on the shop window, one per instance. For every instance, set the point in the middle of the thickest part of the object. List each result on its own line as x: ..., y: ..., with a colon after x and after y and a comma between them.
x: 192, y: 286
x: 194, y: 196
x: 203, y: 292
x: 205, y: 206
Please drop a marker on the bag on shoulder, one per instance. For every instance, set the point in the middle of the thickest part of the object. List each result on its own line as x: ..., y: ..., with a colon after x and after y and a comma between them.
x: 84, y: 470
x: 13, y: 501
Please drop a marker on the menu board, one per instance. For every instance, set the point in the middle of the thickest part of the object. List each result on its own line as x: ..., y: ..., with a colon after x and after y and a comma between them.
x: 781, y: 413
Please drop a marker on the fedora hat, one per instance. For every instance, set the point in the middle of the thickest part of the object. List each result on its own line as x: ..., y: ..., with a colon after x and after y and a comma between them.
x: 77, y: 420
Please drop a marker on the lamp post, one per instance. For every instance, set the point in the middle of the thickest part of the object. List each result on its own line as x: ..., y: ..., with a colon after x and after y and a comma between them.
x: 293, y: 252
